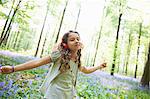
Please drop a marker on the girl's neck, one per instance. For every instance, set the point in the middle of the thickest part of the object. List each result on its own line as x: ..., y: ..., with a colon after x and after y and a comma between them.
x: 74, y: 54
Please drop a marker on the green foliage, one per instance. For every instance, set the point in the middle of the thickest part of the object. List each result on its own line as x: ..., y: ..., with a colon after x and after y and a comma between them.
x: 25, y: 84
x: 139, y: 94
x: 5, y: 60
x: 3, y: 2
x: 89, y: 88
x: 3, y: 15
x: 30, y: 5
x: 129, y: 25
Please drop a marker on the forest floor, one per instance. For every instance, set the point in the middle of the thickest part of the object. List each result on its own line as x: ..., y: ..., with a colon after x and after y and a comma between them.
x: 116, y: 81
x: 120, y: 81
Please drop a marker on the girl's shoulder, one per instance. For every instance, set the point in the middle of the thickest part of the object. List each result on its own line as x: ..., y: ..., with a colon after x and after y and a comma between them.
x: 55, y: 55
x: 55, y: 47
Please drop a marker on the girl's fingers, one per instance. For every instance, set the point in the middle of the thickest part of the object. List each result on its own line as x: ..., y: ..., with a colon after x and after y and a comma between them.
x: 6, y: 69
x: 0, y: 69
x: 104, y: 65
x: 81, y: 45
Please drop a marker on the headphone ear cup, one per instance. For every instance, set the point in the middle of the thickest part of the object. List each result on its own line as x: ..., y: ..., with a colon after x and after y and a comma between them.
x: 65, y: 46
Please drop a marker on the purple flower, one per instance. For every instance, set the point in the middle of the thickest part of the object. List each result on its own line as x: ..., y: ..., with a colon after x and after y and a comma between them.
x: 30, y: 82
x: 15, y: 88
x: 1, y: 92
x: 9, y: 85
x: 2, y: 84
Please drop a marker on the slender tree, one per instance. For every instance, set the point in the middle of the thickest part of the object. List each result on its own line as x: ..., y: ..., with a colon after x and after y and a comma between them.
x: 128, y: 54
x: 61, y: 21
x: 7, y: 36
x: 145, y: 80
x: 10, y: 23
x: 43, y: 46
x: 16, y: 39
x: 37, y: 49
x: 116, y: 43
x: 99, y: 35
x: 77, y: 17
x: 6, y: 23
x: 139, y: 38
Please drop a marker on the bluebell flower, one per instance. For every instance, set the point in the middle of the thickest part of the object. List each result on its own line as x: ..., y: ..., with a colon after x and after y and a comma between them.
x: 30, y: 82
x: 1, y: 92
x: 9, y: 85
x: 15, y: 88
x: 2, y: 84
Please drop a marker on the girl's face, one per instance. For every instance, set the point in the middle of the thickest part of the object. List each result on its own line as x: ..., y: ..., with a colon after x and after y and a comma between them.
x: 74, y: 42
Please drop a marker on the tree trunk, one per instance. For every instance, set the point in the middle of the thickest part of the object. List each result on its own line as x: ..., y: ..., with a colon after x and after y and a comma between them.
x: 6, y: 33
x: 16, y: 39
x: 99, y: 36
x: 120, y: 64
x: 62, y: 18
x: 7, y: 36
x: 43, y: 46
x: 145, y: 80
x: 116, y: 43
x: 11, y: 40
x: 37, y: 49
x: 2, y: 34
x: 77, y: 18
x: 27, y: 46
x: 136, y: 67
x: 128, y: 54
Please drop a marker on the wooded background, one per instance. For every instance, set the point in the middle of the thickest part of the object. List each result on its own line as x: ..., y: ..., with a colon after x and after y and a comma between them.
x: 115, y: 31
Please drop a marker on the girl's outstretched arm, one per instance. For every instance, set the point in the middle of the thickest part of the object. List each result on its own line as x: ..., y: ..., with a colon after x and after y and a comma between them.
x: 33, y: 64
x: 88, y: 70
x: 26, y: 66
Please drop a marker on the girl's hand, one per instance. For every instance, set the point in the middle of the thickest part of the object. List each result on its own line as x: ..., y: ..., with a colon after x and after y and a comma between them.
x: 81, y: 45
x: 103, y: 65
x: 6, y: 69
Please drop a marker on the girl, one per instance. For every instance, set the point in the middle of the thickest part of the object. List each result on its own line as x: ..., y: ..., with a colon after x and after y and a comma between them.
x: 60, y: 81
